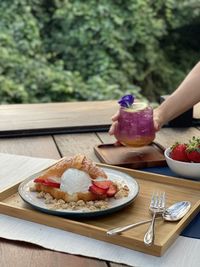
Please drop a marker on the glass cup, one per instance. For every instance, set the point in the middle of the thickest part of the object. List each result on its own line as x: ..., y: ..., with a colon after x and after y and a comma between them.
x: 135, y: 125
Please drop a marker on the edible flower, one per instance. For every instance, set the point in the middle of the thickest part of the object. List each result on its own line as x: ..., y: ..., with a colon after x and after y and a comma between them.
x: 126, y: 101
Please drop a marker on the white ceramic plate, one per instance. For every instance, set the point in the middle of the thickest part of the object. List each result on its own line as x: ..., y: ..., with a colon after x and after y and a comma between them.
x: 114, y: 204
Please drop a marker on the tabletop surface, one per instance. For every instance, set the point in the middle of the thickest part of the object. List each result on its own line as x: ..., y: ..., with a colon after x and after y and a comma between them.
x: 67, y: 144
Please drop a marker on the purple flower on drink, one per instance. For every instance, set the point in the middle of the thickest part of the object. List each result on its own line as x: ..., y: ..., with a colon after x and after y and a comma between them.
x: 126, y: 101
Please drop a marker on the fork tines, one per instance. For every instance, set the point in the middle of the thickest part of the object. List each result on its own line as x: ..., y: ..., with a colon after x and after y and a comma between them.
x: 158, y: 200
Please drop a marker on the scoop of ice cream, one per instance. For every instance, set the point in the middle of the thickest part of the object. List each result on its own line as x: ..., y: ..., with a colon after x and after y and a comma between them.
x: 74, y: 180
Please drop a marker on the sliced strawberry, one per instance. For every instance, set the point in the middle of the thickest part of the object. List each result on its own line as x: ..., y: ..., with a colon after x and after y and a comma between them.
x: 111, y: 191
x: 97, y: 191
x: 47, y: 182
x: 52, y: 184
x: 39, y: 180
x: 102, y: 184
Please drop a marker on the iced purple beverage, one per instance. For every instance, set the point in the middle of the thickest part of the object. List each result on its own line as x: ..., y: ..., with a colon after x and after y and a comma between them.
x: 135, y: 125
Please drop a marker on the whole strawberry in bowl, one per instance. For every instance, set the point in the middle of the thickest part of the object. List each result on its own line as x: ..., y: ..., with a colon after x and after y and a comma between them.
x: 178, y: 152
x: 193, y: 150
x: 184, y: 158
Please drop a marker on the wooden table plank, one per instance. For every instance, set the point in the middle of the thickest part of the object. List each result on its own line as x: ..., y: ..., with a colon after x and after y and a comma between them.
x: 30, y: 119
x: 25, y: 254
x: 106, y: 138
x: 168, y: 136
x: 57, y: 115
x: 71, y: 144
x: 52, y: 118
x: 43, y: 146
x: 21, y: 254
x: 118, y: 265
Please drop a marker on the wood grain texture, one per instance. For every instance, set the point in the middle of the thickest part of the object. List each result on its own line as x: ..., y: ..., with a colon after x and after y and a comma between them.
x: 43, y: 146
x: 119, y: 265
x: 71, y: 144
x: 51, y: 118
x: 55, y: 114
x: 168, y: 136
x: 25, y: 254
x: 52, y: 115
x: 131, y: 157
x: 106, y: 138
x: 166, y: 232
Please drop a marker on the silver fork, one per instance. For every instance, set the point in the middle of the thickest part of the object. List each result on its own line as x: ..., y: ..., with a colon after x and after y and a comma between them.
x: 157, y: 206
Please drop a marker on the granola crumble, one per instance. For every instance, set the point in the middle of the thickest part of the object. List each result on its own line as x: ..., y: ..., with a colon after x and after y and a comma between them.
x: 52, y: 203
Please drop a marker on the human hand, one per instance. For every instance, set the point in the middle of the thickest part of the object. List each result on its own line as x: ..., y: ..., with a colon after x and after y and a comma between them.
x: 114, y: 123
x: 157, y: 120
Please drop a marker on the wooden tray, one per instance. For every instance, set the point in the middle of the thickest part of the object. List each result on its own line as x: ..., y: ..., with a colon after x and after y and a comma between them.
x: 166, y: 232
x: 131, y: 157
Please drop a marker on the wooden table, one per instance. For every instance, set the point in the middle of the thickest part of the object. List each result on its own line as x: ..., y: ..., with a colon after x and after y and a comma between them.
x: 14, y: 253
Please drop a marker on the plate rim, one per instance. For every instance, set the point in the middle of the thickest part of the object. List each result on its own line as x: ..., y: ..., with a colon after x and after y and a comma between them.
x: 81, y: 214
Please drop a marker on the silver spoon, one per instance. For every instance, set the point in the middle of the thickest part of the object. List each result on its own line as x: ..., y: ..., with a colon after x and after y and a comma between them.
x: 171, y: 214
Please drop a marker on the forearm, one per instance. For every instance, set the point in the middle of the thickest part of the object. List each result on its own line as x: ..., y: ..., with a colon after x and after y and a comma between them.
x: 183, y: 98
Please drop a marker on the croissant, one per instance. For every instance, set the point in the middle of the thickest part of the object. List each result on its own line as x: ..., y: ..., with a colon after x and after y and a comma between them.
x: 58, y: 194
x: 55, y: 172
x: 79, y: 162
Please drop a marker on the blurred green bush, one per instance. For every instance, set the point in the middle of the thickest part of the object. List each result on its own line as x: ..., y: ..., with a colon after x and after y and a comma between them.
x: 64, y: 50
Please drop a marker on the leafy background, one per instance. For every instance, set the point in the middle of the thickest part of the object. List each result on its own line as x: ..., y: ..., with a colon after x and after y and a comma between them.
x: 65, y: 50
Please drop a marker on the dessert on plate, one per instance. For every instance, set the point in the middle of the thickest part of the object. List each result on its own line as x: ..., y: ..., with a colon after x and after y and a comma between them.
x: 77, y: 178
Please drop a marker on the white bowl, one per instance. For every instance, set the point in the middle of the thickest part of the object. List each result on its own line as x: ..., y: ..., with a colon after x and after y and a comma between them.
x: 184, y: 169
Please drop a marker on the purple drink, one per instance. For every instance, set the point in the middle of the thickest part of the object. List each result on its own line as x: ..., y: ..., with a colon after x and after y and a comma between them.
x: 135, y: 125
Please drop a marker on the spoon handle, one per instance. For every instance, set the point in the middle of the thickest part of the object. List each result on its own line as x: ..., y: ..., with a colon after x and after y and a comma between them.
x: 119, y: 230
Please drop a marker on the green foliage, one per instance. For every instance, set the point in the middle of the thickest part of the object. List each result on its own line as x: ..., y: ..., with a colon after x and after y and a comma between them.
x: 64, y: 50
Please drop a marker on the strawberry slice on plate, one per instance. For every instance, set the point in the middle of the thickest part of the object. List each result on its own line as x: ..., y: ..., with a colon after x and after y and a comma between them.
x: 102, y: 188
x: 47, y: 182
x: 111, y: 191
x: 102, y: 184
x: 97, y: 190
